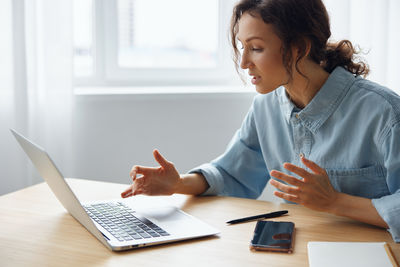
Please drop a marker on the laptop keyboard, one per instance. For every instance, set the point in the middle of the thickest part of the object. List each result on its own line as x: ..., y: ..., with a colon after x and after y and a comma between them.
x: 122, y: 222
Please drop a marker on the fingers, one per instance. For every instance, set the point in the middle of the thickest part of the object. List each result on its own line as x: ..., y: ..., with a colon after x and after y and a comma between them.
x: 287, y: 178
x: 127, y: 192
x: 135, y: 189
x: 133, y: 172
x: 285, y: 188
x: 161, y: 160
x: 297, y: 170
x: 148, y: 170
x: 146, y: 179
x: 289, y: 193
x: 138, y: 186
x: 313, y: 166
x: 140, y: 170
x: 287, y: 197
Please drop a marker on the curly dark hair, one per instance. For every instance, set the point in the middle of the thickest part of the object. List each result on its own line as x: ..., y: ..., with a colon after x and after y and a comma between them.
x: 296, y: 22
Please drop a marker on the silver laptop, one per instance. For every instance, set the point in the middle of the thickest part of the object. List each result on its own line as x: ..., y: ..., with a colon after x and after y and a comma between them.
x: 119, y: 224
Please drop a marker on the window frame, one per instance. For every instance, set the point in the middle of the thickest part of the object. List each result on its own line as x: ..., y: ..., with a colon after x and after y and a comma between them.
x: 106, y: 71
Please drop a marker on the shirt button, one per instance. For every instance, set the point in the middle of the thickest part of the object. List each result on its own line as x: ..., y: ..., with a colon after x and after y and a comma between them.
x: 297, y: 116
x: 301, y: 155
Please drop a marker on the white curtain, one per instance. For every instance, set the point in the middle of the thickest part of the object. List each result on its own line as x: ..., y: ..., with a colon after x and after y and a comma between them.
x: 35, y: 85
x: 36, y: 72
x: 373, y: 25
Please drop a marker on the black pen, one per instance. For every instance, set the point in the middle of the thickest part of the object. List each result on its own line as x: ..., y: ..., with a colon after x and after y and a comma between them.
x: 261, y: 216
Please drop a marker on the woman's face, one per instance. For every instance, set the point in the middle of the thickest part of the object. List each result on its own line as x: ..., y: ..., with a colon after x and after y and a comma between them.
x: 261, y: 54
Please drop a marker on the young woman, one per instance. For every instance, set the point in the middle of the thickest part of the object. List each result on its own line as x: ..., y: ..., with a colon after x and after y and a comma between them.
x: 328, y: 137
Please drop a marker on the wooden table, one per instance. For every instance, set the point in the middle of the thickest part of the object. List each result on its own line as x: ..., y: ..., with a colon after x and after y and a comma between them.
x: 35, y: 230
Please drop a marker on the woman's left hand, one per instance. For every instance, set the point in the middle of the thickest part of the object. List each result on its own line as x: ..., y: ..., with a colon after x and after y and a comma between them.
x: 314, y: 191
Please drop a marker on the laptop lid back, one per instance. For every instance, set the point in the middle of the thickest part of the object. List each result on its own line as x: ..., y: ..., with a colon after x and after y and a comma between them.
x: 57, y: 183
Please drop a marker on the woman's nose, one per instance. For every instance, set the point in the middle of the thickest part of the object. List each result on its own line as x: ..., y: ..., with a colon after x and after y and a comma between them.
x: 244, y: 61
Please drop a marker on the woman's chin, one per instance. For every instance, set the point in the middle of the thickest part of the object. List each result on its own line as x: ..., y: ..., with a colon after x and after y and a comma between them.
x: 263, y: 89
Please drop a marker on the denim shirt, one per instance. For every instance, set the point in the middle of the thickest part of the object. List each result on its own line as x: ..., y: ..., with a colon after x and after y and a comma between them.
x: 350, y: 128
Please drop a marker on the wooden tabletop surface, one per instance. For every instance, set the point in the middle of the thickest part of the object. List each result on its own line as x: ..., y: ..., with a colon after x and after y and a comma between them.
x: 35, y: 230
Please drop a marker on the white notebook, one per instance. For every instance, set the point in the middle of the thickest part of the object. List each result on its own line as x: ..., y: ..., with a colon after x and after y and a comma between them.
x: 343, y: 254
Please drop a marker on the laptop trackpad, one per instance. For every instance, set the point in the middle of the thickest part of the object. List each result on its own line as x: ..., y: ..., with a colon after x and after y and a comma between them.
x: 164, y: 214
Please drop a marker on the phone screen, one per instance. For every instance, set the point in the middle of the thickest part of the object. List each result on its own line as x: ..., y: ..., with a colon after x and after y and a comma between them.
x: 273, y: 236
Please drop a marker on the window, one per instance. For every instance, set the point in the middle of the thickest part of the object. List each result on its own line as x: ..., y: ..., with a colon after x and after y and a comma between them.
x: 185, y: 42
x: 149, y: 37
x: 152, y: 43
x: 83, y: 38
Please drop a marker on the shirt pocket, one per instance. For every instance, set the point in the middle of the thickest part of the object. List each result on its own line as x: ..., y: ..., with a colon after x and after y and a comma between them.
x: 369, y: 182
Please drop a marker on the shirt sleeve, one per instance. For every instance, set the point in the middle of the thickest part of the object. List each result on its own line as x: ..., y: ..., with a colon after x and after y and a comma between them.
x: 241, y: 170
x: 389, y: 206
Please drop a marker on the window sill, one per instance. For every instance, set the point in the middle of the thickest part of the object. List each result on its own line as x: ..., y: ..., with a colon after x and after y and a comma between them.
x: 162, y: 90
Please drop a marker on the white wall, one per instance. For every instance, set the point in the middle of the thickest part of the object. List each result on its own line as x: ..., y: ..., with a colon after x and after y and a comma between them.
x: 113, y: 132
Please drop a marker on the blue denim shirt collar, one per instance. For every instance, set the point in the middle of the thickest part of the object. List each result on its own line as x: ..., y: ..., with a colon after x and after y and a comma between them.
x: 324, y: 102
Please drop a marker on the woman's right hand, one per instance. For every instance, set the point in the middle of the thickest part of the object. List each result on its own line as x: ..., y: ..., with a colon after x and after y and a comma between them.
x: 154, y: 181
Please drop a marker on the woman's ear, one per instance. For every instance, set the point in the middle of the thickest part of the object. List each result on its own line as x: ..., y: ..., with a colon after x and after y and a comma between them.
x: 308, y: 47
x: 301, y: 49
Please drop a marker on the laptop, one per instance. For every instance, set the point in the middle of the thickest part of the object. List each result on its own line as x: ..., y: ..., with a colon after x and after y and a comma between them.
x: 119, y: 224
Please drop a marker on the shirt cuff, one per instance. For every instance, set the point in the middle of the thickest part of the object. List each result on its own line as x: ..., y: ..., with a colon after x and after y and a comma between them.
x: 389, y: 209
x: 213, y: 178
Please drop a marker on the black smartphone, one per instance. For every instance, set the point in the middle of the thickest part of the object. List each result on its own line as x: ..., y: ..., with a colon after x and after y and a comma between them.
x: 273, y: 236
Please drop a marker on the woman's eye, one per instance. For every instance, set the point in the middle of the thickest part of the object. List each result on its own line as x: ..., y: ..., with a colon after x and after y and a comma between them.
x: 254, y: 49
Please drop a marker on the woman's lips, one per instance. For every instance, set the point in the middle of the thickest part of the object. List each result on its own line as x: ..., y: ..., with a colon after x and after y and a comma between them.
x: 255, y: 80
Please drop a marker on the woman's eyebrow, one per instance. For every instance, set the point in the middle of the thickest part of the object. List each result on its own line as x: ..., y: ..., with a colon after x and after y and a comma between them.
x: 251, y: 38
